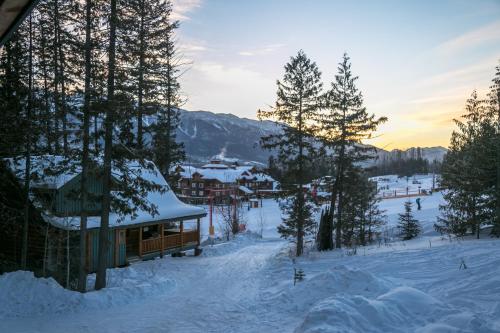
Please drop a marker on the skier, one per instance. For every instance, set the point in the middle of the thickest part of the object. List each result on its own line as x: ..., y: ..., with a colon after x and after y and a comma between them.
x: 418, y: 203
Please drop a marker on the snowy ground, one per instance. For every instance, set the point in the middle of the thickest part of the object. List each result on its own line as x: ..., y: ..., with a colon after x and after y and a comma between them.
x: 247, y: 286
x: 390, y: 184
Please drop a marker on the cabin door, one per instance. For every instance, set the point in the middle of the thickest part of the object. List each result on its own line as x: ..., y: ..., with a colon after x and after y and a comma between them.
x: 133, y: 242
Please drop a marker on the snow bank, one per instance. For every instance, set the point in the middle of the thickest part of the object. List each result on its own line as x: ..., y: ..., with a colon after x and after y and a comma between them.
x: 24, y: 295
x: 130, y: 284
x: 399, y: 309
x: 342, y: 279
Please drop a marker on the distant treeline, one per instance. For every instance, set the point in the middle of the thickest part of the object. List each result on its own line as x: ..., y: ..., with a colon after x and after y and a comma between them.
x: 405, y: 167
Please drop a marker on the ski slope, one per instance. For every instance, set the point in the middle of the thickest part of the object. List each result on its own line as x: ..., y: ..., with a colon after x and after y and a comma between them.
x: 246, y: 285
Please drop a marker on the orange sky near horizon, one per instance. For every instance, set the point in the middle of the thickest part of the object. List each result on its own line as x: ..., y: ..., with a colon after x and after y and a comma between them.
x: 414, y: 67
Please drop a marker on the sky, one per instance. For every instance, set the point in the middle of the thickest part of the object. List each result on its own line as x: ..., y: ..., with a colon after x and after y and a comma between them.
x: 417, y: 61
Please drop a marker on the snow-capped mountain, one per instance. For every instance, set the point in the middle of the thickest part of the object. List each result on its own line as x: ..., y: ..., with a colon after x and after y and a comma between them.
x: 206, y: 134
x: 229, y: 137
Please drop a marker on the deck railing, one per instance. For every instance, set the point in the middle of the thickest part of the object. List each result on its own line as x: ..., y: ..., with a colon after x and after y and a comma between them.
x: 170, y: 241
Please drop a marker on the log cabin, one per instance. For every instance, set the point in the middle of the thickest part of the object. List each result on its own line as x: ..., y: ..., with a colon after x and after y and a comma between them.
x: 53, y: 241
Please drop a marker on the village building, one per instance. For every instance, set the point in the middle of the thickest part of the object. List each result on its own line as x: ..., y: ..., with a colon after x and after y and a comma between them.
x: 217, y: 180
x: 53, y: 247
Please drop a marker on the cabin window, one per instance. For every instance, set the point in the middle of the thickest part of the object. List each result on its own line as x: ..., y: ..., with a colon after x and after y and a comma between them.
x: 193, y: 193
x: 171, y: 228
x: 150, y: 232
x: 193, y: 185
x: 201, y: 192
x: 200, y: 185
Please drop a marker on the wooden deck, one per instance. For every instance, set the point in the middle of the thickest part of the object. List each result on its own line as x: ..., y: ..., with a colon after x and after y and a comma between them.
x: 168, y: 242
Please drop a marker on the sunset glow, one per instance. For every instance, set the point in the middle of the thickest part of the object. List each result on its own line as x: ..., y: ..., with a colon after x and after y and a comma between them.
x: 417, y: 62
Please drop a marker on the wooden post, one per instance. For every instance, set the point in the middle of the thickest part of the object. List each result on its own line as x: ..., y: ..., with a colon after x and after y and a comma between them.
x: 140, y: 242
x: 88, y: 261
x: 198, y: 229
x: 117, y: 246
x: 162, y: 240
x: 182, y: 233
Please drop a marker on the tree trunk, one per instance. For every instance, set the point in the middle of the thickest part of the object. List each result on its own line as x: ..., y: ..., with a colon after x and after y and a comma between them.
x: 340, y: 190
x: 48, y: 115
x: 168, y: 137
x: 140, y: 86
x: 27, y: 155
x: 340, y: 183
x: 82, y: 271
x: 63, y: 94
x: 300, y: 196
x: 108, y: 142
x: 57, y: 102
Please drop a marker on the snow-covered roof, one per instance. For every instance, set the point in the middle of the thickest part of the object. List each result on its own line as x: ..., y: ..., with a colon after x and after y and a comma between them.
x: 42, y: 170
x: 215, y: 166
x: 228, y: 175
x: 245, y: 189
x: 168, y: 206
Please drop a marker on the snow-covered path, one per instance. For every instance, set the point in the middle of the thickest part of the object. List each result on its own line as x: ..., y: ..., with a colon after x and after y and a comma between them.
x: 246, y: 285
x: 219, y: 290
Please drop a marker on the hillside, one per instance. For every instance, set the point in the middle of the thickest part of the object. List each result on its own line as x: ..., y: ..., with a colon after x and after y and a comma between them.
x: 206, y: 134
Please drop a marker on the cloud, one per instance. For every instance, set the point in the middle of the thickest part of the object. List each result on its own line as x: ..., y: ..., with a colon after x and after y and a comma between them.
x: 261, y: 51
x: 181, y: 8
x: 192, y: 47
x: 471, y: 73
x: 488, y: 33
x: 227, y: 88
x: 246, y: 53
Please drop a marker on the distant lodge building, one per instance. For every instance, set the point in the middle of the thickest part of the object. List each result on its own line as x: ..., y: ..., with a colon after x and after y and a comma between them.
x: 217, y: 181
x: 53, y: 240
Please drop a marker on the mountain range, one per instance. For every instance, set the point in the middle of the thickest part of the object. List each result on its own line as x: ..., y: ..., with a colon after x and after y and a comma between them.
x: 228, y: 137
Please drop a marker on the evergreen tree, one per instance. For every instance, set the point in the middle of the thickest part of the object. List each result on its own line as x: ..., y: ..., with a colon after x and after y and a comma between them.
x: 361, y: 215
x: 494, y: 110
x: 324, y: 240
x: 344, y: 126
x: 141, y: 29
x: 466, y: 173
x: 408, y: 226
x: 166, y: 150
x: 296, y: 109
x: 85, y: 159
x: 108, y: 151
x: 293, y: 210
x: 14, y: 93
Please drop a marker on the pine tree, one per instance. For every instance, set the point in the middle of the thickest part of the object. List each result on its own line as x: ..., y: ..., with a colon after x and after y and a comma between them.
x: 466, y: 172
x: 361, y: 216
x: 494, y: 110
x: 85, y: 159
x: 344, y: 126
x: 142, y: 29
x: 408, y: 226
x: 297, y: 105
x: 293, y: 210
x: 108, y: 151
x: 324, y: 240
x: 14, y: 93
x: 166, y: 150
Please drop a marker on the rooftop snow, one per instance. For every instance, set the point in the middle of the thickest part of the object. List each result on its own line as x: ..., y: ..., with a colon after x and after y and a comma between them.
x: 167, y: 204
x: 227, y: 175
